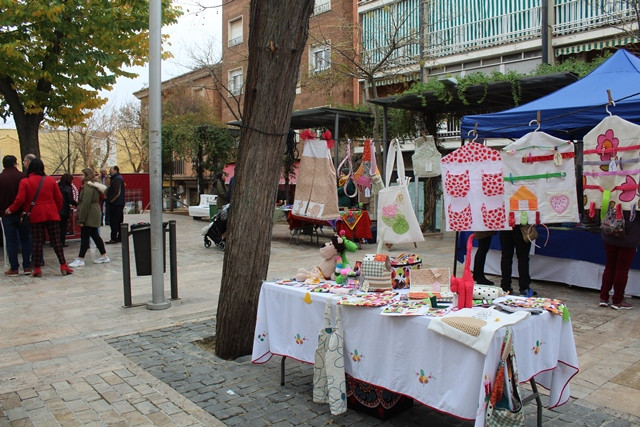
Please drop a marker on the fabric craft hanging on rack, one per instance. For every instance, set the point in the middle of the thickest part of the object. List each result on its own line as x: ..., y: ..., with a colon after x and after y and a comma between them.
x: 316, y: 196
x: 539, y: 180
x: 473, y: 189
x: 611, y: 168
x: 426, y: 159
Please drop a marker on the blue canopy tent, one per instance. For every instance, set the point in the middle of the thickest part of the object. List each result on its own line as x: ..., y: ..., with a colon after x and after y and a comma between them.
x: 574, y: 110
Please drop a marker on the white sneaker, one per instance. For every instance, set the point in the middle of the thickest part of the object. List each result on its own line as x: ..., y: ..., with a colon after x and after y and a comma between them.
x: 102, y: 259
x: 76, y: 263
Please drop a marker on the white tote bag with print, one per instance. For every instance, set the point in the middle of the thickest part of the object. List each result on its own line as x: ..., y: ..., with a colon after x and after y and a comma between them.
x: 397, y: 222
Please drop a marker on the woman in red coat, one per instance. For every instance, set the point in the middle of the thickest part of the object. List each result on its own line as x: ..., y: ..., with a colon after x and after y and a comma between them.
x: 44, y: 214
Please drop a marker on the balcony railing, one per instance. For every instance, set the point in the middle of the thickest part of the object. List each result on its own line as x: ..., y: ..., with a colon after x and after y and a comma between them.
x: 235, y: 41
x: 572, y: 16
x: 326, y: 7
x: 445, y: 38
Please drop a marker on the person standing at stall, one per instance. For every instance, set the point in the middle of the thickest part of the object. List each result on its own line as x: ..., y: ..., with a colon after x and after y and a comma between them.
x: 619, y: 254
x: 89, y: 218
x: 104, y: 204
x: 67, y: 201
x: 115, y: 200
x: 220, y: 189
x: 39, y: 195
x: 511, y: 240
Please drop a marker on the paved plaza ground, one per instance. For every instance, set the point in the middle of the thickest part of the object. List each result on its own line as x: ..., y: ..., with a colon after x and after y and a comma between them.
x: 71, y: 355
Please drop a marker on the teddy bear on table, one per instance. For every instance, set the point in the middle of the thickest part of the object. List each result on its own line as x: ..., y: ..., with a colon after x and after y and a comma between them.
x: 331, y: 253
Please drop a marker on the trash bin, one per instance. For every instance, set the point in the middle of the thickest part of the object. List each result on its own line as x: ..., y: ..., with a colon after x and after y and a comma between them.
x: 142, y: 247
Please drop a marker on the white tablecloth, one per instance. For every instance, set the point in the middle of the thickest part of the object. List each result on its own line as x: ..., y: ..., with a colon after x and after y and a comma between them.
x: 403, y: 356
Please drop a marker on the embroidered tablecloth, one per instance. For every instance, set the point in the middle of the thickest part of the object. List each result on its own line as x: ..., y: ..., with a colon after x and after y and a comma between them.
x: 402, y: 355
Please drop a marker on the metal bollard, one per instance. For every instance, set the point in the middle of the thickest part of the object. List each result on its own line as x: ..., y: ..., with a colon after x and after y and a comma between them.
x: 173, y: 260
x: 126, y: 268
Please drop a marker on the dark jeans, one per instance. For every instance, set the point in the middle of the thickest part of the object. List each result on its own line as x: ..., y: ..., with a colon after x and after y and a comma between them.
x: 85, y: 234
x: 511, y: 240
x: 116, y: 218
x: 17, y: 235
x: 64, y: 222
x: 480, y: 258
x: 616, y: 272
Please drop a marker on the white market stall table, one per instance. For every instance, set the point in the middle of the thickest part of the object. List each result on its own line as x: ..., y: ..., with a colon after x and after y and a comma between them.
x: 401, y: 355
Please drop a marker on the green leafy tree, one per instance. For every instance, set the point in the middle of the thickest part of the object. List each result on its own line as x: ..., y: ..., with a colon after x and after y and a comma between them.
x: 190, y: 131
x: 58, y: 55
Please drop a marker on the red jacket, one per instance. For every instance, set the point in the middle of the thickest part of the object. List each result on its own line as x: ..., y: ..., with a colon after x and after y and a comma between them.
x: 48, y: 203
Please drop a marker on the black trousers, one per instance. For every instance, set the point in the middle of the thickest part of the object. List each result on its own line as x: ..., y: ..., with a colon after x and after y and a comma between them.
x: 481, y: 257
x: 511, y: 240
x: 116, y: 218
x: 85, y: 234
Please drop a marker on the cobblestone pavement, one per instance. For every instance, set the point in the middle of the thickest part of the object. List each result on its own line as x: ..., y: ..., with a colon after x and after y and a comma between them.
x: 70, y: 354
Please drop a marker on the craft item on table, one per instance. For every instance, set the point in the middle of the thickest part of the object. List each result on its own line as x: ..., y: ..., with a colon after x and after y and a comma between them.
x: 376, y: 273
x: 487, y: 292
x: 463, y: 286
x: 401, y: 269
x: 329, y: 383
x: 504, y: 406
x: 351, y: 217
x: 397, y: 222
x: 314, y: 280
x: 378, y: 299
x: 367, y: 176
x: 436, y: 280
x: 513, y: 303
x: 406, y: 308
x: 343, y: 269
x: 473, y: 189
x: 327, y: 267
x: 611, y: 166
x: 475, y: 327
x: 539, y: 180
x: 426, y: 158
x: 316, y: 196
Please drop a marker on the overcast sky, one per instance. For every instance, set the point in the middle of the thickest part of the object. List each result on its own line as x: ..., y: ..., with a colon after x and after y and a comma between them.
x: 196, y: 32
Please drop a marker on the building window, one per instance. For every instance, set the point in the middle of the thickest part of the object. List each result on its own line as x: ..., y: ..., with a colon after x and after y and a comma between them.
x: 320, y: 58
x: 235, y: 32
x: 235, y: 81
x: 321, y: 6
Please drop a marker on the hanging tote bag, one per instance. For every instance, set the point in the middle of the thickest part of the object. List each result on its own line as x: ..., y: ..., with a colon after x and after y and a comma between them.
x: 426, y: 158
x: 397, y: 223
x: 505, y: 405
x: 329, y: 381
x: 316, y: 192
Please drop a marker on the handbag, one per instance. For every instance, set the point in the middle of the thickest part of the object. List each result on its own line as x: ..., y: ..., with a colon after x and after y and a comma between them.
x: 529, y: 232
x: 613, y: 222
x: 25, y: 218
x: 426, y: 158
x: 397, y: 222
x: 505, y: 404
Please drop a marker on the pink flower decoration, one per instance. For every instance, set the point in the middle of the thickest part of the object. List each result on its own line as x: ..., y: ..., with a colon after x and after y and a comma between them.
x: 389, y: 211
x: 607, y: 141
x: 629, y: 189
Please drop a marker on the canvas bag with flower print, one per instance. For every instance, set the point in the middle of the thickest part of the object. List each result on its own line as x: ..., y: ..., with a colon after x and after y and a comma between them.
x: 397, y: 222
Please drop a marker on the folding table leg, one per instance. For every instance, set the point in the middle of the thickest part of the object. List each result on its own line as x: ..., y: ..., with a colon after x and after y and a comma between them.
x: 534, y: 395
x: 282, y: 370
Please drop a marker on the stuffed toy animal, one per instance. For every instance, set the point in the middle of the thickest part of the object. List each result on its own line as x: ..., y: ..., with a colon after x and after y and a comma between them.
x: 463, y: 286
x: 329, y: 252
x: 343, y: 268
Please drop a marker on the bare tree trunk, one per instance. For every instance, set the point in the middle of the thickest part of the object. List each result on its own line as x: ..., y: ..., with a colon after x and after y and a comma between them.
x: 279, y: 31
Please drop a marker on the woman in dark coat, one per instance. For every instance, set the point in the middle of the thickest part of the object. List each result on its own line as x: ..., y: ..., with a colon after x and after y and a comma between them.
x: 67, y: 201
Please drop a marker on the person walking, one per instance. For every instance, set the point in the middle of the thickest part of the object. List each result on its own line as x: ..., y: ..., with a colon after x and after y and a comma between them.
x: 220, y: 189
x: 89, y: 218
x: 104, y: 205
x: 39, y: 195
x: 14, y: 231
x: 67, y: 201
x: 619, y: 253
x: 115, y: 200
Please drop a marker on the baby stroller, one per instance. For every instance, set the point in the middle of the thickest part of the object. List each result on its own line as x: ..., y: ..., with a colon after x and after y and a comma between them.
x: 216, y: 228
